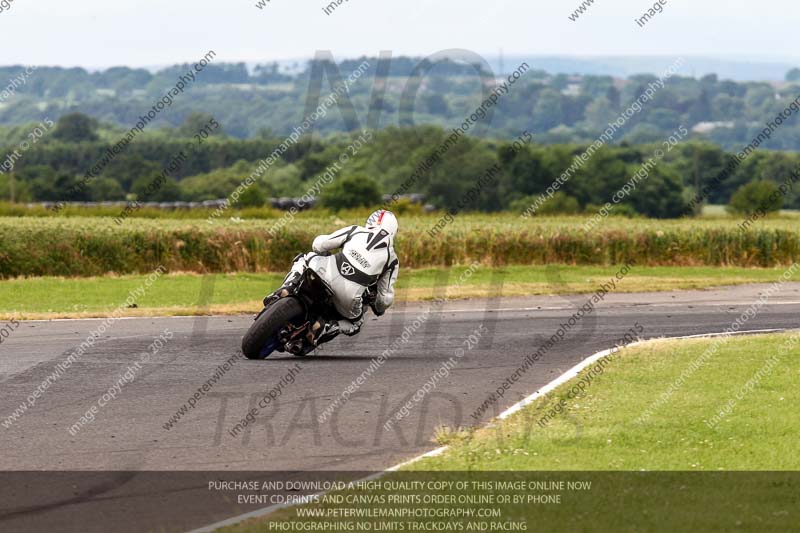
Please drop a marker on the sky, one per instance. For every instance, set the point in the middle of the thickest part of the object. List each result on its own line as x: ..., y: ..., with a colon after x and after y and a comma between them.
x: 149, y: 33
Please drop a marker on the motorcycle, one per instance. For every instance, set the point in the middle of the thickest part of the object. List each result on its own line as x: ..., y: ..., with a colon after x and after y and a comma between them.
x: 285, y: 322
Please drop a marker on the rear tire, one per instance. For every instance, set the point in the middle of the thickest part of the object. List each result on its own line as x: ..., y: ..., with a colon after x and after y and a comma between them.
x: 266, y: 328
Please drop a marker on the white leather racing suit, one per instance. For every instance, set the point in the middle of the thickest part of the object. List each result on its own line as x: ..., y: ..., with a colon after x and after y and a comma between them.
x: 367, y: 257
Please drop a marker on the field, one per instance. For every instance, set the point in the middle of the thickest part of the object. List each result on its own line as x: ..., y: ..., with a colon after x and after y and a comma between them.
x: 602, y: 436
x: 96, y: 246
x: 241, y: 293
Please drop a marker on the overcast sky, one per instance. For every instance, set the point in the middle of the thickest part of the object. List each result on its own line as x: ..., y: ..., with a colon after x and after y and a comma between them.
x: 102, y: 33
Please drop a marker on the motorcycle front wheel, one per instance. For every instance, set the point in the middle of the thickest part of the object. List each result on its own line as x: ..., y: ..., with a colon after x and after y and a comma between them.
x: 262, y: 337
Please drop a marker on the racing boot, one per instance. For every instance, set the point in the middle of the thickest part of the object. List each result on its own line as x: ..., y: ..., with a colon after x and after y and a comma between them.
x: 322, y: 331
x: 351, y: 328
x: 289, y: 286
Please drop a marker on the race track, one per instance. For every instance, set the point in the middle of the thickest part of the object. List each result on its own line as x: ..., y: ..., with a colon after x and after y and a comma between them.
x: 128, y: 434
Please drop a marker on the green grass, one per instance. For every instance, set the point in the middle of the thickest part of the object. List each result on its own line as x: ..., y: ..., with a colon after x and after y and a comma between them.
x: 696, y: 477
x: 760, y: 433
x: 180, y: 294
x: 170, y: 294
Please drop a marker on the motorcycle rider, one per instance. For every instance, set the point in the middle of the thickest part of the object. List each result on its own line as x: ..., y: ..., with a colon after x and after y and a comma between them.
x: 366, y: 267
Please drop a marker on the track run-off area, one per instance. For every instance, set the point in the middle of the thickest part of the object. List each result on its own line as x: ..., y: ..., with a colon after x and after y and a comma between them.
x: 156, y: 396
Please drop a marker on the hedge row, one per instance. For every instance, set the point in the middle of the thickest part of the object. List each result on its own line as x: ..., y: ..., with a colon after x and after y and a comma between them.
x: 92, y: 247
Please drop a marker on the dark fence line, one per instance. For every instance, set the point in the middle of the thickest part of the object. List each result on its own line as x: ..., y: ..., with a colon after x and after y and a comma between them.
x: 284, y: 204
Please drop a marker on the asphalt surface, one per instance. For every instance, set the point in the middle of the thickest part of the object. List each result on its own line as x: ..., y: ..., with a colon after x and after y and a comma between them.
x: 128, y: 435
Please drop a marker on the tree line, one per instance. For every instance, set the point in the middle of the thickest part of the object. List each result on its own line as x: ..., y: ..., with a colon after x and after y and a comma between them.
x: 50, y: 170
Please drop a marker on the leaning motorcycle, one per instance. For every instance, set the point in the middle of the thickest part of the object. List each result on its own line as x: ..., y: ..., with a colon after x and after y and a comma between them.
x: 285, y: 322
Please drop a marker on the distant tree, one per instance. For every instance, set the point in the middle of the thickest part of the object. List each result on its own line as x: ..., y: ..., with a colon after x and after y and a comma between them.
x: 644, y: 132
x: 312, y: 165
x: 265, y: 133
x: 153, y: 189
x: 123, y: 79
x: 12, y: 189
x: 436, y: 104
x: 126, y: 168
x: 351, y: 191
x: 775, y: 166
x: 793, y: 75
x: 268, y: 73
x: 709, y: 79
x: 700, y: 110
x: 448, y: 184
x: 547, y: 111
x: 31, y: 172
x: 105, y: 189
x: 603, y: 175
x: 613, y: 96
x: 661, y: 195
x: 527, y: 172
x: 756, y: 197
x: 725, y: 106
x: 383, y: 104
x: 596, y: 86
x: 560, y: 204
x: 252, y: 196
x: 221, y: 182
x: 65, y: 187
x: 663, y: 119
x: 76, y: 127
x: 599, y: 113
x: 759, y: 100
x: 560, y: 81
x: 731, y: 88
x: 195, y: 122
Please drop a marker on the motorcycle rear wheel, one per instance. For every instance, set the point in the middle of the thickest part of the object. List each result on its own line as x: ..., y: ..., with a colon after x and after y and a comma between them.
x: 266, y: 328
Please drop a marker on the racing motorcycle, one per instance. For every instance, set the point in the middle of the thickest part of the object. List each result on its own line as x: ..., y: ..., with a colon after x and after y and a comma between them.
x: 285, y: 322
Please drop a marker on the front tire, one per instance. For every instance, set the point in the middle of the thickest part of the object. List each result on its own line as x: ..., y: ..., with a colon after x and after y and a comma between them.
x: 266, y: 328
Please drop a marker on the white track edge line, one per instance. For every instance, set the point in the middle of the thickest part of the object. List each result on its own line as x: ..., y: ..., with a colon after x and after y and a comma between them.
x: 560, y: 380
x: 577, y: 369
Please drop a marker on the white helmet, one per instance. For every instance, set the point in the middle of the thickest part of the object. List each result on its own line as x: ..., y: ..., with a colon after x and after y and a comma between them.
x: 383, y: 219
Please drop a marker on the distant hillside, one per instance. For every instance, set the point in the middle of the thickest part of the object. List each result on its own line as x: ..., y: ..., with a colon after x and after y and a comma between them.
x: 272, y: 99
x: 625, y: 66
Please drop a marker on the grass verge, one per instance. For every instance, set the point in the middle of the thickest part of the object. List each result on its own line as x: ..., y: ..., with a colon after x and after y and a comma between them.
x: 621, y: 422
x: 228, y: 294
x: 734, y: 472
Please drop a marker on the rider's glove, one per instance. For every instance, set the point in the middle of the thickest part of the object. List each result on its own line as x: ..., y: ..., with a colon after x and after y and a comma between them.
x: 370, y: 295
